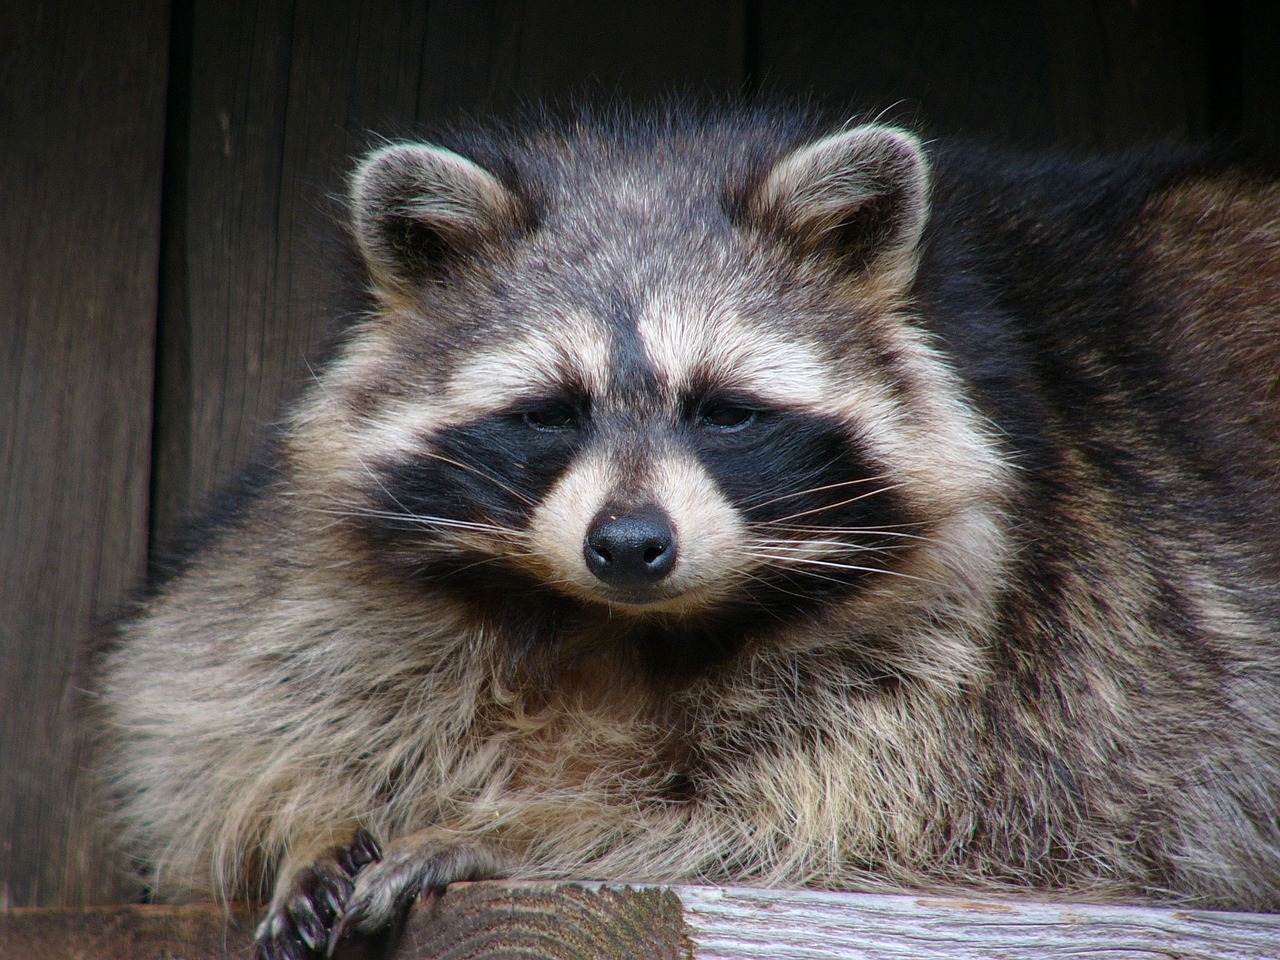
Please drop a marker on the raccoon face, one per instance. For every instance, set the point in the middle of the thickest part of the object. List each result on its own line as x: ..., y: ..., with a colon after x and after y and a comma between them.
x: 652, y: 389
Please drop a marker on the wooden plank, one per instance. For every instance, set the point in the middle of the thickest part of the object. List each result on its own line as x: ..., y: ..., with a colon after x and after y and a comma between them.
x: 82, y: 121
x: 554, y: 921
x: 558, y: 921
x: 492, y: 55
x: 1258, y: 40
x: 1122, y: 72
x: 486, y: 921
x: 741, y: 924
x: 277, y: 98
x: 200, y: 932
x: 1099, y: 74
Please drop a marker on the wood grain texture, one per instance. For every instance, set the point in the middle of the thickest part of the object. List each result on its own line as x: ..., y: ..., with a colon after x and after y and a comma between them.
x: 1102, y: 74
x: 199, y: 932
x: 564, y: 921
x: 1252, y: 52
x: 276, y: 98
x: 489, y: 921
x: 740, y: 924
x: 81, y: 121
x: 493, y: 55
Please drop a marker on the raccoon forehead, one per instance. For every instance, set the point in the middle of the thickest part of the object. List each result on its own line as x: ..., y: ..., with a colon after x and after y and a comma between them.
x: 569, y: 348
x: 714, y: 346
x: 687, y: 348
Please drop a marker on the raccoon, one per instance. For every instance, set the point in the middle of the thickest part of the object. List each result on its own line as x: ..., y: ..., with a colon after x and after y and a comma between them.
x: 728, y: 497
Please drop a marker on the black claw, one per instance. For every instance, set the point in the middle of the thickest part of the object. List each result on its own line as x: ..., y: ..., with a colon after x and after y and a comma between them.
x: 362, y: 851
x: 282, y: 948
x: 316, y: 916
x: 327, y: 892
x: 333, y: 896
x: 305, y: 927
x: 310, y: 926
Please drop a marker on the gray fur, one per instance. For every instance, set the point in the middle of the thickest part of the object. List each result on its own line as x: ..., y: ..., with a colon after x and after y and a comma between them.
x: 1061, y: 673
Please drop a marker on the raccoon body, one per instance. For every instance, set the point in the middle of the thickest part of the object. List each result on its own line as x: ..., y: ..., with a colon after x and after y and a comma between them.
x: 725, y: 498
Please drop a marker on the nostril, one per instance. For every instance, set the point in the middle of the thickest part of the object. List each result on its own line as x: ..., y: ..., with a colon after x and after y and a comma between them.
x: 630, y: 548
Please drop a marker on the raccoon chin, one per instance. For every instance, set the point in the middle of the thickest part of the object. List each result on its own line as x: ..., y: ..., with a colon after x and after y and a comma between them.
x: 672, y: 600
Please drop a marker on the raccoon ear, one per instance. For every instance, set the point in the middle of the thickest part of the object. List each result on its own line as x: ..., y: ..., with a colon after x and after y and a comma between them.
x: 416, y: 208
x: 860, y: 196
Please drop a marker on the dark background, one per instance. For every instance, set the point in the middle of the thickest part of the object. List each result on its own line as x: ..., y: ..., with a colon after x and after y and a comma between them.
x: 165, y: 169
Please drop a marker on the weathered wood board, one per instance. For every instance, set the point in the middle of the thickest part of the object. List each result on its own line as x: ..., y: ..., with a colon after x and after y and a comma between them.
x: 501, y: 921
x: 81, y: 128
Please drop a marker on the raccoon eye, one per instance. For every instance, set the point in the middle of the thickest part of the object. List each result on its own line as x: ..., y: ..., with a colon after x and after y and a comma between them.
x: 551, y: 416
x: 725, y: 416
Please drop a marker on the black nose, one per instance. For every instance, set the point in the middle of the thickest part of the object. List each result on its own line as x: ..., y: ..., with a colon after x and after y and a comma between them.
x: 630, y: 548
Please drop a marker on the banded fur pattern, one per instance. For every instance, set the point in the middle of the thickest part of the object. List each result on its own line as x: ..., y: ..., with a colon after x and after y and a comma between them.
x: 723, y: 497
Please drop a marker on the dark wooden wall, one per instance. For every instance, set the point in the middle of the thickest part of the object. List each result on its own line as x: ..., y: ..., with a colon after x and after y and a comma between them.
x: 165, y: 168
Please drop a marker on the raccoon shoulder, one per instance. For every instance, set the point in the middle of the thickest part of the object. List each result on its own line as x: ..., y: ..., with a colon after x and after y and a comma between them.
x: 1144, y: 284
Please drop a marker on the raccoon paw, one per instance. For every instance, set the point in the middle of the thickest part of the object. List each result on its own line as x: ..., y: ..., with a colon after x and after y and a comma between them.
x: 416, y: 864
x: 300, y: 924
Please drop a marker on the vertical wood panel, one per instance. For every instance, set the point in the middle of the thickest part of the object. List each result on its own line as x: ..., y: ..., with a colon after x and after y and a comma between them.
x: 1258, y: 37
x: 279, y: 98
x: 494, y: 54
x: 1121, y: 72
x: 81, y: 120
x: 1102, y: 74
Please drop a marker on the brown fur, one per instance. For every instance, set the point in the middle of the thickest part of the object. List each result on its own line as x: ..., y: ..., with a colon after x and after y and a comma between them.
x: 1068, y: 683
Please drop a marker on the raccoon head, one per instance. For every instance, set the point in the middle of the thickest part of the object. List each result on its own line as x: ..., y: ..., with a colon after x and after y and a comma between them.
x: 668, y: 390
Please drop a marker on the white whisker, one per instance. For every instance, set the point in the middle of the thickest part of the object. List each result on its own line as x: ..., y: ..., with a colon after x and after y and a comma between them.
x: 765, y: 582
x: 836, y: 565
x: 483, y: 474
x: 886, y: 530
x: 426, y: 521
x: 835, y: 506
x: 810, y: 544
x: 811, y: 490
